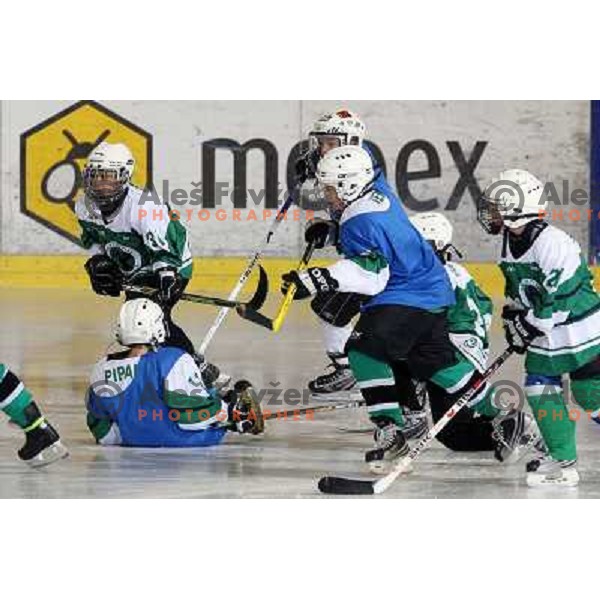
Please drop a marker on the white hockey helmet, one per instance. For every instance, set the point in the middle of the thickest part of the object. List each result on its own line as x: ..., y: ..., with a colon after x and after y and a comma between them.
x: 141, y: 321
x: 435, y: 228
x: 512, y: 199
x: 348, y: 169
x: 107, y: 173
x: 342, y: 126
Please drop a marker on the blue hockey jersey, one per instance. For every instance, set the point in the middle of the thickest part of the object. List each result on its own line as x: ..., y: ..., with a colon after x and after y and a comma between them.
x: 386, y: 257
x: 157, y: 399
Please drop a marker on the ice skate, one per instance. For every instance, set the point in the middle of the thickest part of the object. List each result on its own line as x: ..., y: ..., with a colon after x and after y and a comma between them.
x: 390, y: 445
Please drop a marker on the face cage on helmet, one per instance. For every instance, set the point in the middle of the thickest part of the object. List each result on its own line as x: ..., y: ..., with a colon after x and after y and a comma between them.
x: 104, y: 201
x: 338, y: 185
x: 489, y: 216
x: 314, y: 140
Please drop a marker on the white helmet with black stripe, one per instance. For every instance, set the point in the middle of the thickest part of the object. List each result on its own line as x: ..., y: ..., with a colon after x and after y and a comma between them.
x: 107, y: 174
x: 512, y: 199
x: 341, y: 128
x: 437, y: 230
x: 347, y: 169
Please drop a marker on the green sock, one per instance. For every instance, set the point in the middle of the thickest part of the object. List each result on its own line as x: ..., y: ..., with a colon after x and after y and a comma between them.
x: 376, y: 382
x: 558, y: 431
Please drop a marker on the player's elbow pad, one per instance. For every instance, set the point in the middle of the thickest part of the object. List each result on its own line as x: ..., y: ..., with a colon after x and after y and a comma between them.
x: 351, y: 277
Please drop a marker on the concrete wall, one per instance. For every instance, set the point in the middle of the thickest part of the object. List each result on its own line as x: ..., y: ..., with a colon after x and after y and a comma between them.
x: 548, y: 138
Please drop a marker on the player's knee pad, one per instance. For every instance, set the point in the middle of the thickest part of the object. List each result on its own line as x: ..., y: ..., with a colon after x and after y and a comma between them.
x: 337, y: 308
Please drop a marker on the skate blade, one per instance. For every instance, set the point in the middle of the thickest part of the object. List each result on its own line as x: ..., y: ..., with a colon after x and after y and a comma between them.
x: 334, y: 397
x: 381, y: 467
x: 365, y: 429
x: 568, y: 480
x: 49, y: 455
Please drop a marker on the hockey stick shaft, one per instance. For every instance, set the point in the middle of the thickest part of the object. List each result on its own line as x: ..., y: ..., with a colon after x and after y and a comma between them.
x: 316, y: 409
x: 256, y: 302
x: 291, y: 292
x: 296, y: 412
x: 246, y: 274
x: 197, y: 298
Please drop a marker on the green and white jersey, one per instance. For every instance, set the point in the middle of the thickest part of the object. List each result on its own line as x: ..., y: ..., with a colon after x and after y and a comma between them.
x: 553, y: 281
x: 140, y: 238
x: 469, y: 319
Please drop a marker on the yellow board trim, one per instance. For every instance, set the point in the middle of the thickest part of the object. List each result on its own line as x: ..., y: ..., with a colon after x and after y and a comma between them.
x: 210, y: 274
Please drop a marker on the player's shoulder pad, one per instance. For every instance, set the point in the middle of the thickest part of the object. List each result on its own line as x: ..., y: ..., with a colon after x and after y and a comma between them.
x: 372, y: 202
x: 553, y: 243
x: 554, y: 235
x: 458, y: 275
x: 555, y: 250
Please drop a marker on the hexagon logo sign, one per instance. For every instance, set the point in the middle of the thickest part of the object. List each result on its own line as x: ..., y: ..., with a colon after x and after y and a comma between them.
x: 54, y: 152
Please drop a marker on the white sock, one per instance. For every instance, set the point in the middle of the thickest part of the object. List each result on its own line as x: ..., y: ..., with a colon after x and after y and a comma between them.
x: 335, y: 338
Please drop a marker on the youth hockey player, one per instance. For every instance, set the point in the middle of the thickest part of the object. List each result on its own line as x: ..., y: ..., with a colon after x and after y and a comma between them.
x: 469, y: 321
x: 128, y: 240
x: 335, y: 310
x: 42, y: 442
x: 553, y: 316
x: 404, y: 319
x: 153, y: 395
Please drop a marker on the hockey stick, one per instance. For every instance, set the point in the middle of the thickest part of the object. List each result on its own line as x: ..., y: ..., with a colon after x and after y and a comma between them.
x: 341, y: 485
x: 292, y: 197
x: 316, y: 409
x: 254, y: 304
x: 296, y: 412
x: 276, y: 322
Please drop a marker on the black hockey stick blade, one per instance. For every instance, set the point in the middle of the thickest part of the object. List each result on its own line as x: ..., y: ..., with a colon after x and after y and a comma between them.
x: 346, y: 487
x: 250, y: 314
x: 262, y: 289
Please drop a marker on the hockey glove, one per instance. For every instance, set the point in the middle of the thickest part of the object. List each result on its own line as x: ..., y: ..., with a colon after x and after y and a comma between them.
x: 306, y: 167
x: 105, y: 276
x: 243, y: 409
x: 170, y: 284
x: 321, y: 233
x: 518, y: 330
x: 315, y: 280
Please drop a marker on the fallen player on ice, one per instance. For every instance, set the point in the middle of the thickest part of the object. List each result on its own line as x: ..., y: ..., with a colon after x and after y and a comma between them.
x: 152, y: 395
